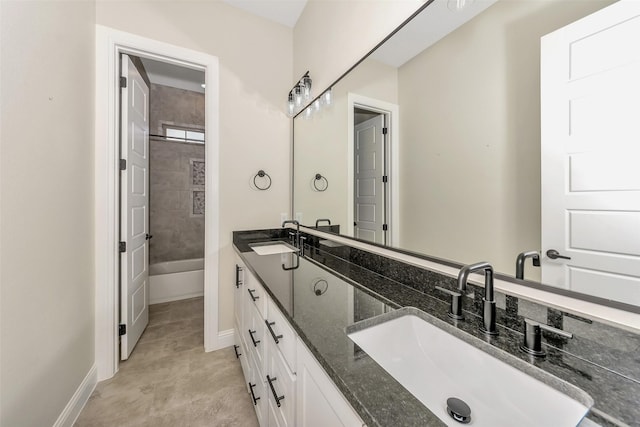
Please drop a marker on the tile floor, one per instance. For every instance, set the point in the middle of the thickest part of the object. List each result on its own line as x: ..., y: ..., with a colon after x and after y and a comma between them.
x: 170, y: 381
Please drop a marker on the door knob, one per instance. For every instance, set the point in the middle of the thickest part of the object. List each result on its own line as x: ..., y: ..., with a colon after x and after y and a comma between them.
x: 553, y: 254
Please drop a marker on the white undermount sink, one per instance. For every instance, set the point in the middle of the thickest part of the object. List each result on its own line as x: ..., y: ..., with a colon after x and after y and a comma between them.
x: 435, y: 365
x: 271, y: 248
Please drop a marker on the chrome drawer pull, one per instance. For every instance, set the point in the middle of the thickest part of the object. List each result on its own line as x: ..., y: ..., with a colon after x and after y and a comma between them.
x: 276, y: 338
x: 255, y: 341
x: 273, y: 390
x: 253, y: 297
x: 253, y: 396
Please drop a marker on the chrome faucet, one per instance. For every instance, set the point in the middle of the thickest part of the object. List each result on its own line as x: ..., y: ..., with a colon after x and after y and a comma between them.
x: 522, y: 257
x: 297, y: 240
x: 489, y: 305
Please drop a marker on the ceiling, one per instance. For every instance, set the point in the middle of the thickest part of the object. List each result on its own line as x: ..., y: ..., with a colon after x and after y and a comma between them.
x: 285, y: 12
x: 163, y: 73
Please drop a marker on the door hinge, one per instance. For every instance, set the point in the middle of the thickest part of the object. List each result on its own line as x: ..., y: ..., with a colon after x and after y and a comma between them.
x: 123, y: 82
x: 384, y: 131
x: 123, y: 164
x: 122, y: 329
x: 385, y: 178
x: 123, y: 247
x: 385, y: 227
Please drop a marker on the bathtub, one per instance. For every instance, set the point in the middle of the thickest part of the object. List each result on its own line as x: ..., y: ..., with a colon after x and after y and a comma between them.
x: 176, y: 280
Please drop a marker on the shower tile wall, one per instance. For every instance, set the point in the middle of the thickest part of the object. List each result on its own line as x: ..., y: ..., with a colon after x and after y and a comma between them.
x: 177, y: 232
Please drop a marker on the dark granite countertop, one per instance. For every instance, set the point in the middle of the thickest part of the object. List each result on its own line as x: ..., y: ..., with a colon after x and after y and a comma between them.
x: 331, y: 289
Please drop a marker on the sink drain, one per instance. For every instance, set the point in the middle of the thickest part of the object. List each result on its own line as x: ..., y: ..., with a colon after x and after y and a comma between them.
x: 458, y: 410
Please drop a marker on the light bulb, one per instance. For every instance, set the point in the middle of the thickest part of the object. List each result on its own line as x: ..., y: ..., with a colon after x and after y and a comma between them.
x: 317, y: 104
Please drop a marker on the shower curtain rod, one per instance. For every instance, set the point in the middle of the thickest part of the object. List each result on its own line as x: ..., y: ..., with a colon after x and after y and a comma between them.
x: 174, y: 139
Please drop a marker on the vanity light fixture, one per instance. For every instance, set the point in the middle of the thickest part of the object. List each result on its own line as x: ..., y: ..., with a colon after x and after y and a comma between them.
x: 300, y: 98
x: 299, y: 95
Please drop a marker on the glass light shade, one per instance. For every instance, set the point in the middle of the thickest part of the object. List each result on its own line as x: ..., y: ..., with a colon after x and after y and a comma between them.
x: 306, y: 87
x: 291, y: 107
x: 317, y: 104
x: 297, y: 96
x: 327, y: 97
x: 458, y: 5
x: 308, y: 112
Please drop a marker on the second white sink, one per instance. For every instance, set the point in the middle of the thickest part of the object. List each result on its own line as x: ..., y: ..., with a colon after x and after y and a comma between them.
x: 434, y: 365
x: 272, y: 248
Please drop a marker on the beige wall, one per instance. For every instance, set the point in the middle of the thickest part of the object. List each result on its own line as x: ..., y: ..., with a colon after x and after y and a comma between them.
x: 321, y: 144
x: 470, y: 124
x: 331, y: 36
x: 255, y: 75
x: 46, y: 231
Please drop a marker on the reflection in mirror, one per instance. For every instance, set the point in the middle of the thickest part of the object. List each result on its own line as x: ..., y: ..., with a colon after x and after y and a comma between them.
x: 457, y: 171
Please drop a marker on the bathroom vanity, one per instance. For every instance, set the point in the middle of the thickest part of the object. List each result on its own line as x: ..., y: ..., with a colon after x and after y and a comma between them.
x: 294, y: 313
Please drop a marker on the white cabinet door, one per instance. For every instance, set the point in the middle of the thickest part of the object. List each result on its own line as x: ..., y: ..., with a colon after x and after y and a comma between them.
x: 238, y: 294
x: 318, y: 402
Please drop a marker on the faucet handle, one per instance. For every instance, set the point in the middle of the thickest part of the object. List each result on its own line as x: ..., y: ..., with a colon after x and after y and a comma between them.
x: 533, y: 336
x: 455, y: 309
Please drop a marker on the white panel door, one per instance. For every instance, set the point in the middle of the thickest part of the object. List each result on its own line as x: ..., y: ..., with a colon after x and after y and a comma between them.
x: 369, y: 197
x: 590, y: 87
x: 134, y: 216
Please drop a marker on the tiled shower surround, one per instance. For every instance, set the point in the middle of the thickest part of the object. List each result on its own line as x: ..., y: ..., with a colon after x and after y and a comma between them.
x: 175, y: 177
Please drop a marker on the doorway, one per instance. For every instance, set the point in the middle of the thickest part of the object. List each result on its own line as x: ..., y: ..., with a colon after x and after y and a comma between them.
x: 370, y: 175
x: 110, y: 44
x: 372, y: 170
x: 162, y: 193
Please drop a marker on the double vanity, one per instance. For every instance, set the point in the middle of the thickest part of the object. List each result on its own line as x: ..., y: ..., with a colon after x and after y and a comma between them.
x: 329, y: 334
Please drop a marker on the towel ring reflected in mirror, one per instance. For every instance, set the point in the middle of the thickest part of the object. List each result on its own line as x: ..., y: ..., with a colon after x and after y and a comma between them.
x: 320, y: 183
x: 320, y: 286
x: 262, y: 174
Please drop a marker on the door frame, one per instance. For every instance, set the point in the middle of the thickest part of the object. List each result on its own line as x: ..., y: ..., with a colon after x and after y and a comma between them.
x: 109, y: 44
x: 392, y: 118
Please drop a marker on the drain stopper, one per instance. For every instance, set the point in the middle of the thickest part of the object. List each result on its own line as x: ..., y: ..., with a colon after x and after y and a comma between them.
x: 458, y: 410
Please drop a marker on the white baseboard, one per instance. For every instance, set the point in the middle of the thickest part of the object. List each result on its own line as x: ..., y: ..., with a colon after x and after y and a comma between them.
x: 71, y: 412
x: 225, y: 339
x: 175, y: 298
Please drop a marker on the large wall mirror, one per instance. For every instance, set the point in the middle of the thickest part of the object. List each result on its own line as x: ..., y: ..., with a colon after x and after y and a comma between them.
x: 433, y: 145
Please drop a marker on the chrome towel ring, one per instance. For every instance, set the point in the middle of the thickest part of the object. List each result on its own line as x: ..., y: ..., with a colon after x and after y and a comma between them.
x: 321, y: 181
x: 262, y: 174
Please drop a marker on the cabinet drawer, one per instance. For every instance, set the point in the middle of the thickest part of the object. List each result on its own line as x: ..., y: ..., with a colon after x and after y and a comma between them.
x: 254, y: 335
x: 281, y: 334
x: 258, y: 392
x: 281, y: 387
x: 241, y: 353
x: 255, y: 293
